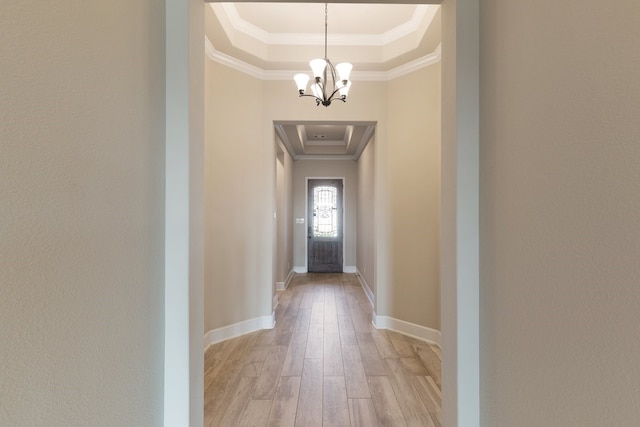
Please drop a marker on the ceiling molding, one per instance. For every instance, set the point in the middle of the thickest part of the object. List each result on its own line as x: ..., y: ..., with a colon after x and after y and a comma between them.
x: 284, y: 138
x: 421, y: 13
x: 285, y: 131
x: 325, y: 143
x: 426, y: 61
x: 364, y: 141
x: 231, y: 62
x: 363, y: 76
x: 320, y: 157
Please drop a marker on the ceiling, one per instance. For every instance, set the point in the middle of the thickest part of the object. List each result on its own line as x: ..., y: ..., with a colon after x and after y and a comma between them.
x: 274, y: 41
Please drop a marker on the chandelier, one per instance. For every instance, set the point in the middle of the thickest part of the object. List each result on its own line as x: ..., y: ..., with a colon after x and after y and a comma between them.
x: 329, y: 83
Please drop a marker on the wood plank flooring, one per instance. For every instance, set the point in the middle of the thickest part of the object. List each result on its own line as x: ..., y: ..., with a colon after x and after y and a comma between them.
x: 323, y: 365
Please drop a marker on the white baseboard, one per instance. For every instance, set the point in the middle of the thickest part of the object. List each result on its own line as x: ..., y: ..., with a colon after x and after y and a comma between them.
x: 365, y: 287
x: 241, y: 328
x: 349, y: 269
x: 287, y: 281
x: 406, y: 328
x: 281, y: 286
x: 300, y: 269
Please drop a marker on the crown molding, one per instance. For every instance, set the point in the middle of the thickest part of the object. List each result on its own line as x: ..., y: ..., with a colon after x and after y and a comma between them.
x: 284, y: 138
x: 422, y: 13
x: 363, y: 76
x: 321, y: 157
x: 324, y: 143
x: 427, y: 60
x: 364, y: 141
x: 231, y: 62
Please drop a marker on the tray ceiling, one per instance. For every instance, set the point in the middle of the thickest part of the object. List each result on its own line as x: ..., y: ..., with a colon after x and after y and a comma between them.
x: 277, y: 40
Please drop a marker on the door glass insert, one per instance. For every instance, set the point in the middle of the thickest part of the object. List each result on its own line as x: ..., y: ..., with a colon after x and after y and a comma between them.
x: 325, y: 212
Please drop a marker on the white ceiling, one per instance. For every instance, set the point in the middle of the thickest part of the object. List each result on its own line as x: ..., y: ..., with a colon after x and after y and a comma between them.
x: 277, y: 40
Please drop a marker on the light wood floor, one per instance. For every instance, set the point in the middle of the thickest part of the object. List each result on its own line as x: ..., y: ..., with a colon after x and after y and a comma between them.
x: 324, y: 364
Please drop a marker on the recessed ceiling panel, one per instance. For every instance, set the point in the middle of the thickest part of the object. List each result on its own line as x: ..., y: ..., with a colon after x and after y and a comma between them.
x: 344, y: 140
x: 305, y: 18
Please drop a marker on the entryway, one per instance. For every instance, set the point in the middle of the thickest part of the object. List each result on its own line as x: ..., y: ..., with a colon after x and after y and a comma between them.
x: 325, y: 226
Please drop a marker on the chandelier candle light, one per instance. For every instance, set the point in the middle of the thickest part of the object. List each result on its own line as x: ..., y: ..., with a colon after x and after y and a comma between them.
x: 323, y: 69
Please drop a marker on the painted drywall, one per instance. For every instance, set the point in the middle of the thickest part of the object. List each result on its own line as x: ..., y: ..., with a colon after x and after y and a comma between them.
x: 82, y: 208
x: 304, y: 169
x: 560, y: 213
x: 369, y: 102
x: 284, y: 212
x: 413, y: 173
x: 239, y: 200
x: 184, y: 214
x: 366, y: 217
x: 281, y: 222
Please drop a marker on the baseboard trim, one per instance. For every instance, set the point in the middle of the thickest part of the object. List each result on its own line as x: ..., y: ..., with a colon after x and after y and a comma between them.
x: 407, y: 328
x: 281, y: 286
x: 349, y: 269
x: 241, y: 328
x: 300, y: 269
x: 365, y: 286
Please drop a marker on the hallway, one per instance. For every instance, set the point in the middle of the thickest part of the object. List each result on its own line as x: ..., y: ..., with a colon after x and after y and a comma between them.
x: 324, y: 364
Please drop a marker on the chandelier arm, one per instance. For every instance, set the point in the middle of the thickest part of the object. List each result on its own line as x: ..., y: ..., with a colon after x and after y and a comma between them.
x: 342, y: 98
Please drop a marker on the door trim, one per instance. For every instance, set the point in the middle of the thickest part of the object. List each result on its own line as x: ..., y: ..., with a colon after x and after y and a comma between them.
x: 306, y: 216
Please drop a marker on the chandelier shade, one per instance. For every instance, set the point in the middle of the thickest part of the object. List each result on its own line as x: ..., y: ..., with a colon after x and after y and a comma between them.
x: 329, y: 83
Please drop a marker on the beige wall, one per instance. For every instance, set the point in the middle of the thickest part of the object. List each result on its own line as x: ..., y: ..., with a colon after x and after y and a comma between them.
x: 239, y: 200
x: 560, y: 213
x: 247, y: 174
x: 82, y: 208
x: 303, y: 169
x: 284, y: 205
x: 414, y: 197
x: 280, y: 218
x: 365, y: 223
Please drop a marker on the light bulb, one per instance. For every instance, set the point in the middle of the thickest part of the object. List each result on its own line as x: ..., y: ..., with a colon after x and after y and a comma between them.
x: 344, y: 70
x: 344, y: 90
x: 317, y: 90
x: 301, y: 81
x: 317, y: 67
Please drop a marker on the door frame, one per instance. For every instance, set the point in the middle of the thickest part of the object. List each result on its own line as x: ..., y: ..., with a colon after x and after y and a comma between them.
x: 184, y: 212
x: 306, y: 216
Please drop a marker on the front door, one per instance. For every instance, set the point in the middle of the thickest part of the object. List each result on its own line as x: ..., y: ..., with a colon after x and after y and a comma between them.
x: 324, y: 232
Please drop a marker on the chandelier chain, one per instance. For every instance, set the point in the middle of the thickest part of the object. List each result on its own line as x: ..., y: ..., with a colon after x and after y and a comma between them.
x: 326, y: 13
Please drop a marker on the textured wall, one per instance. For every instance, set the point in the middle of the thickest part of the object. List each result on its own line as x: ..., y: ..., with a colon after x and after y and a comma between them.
x: 284, y: 203
x: 239, y: 200
x: 560, y: 213
x: 81, y: 202
x: 242, y: 177
x: 414, y: 197
x: 365, y: 222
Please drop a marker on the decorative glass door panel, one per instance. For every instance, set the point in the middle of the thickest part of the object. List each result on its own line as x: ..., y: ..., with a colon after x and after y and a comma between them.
x: 325, y: 212
x: 324, y: 250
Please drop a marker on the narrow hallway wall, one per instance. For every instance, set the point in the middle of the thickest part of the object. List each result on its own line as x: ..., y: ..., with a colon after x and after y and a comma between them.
x: 82, y: 172
x: 414, y: 197
x: 560, y: 213
x: 239, y: 201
